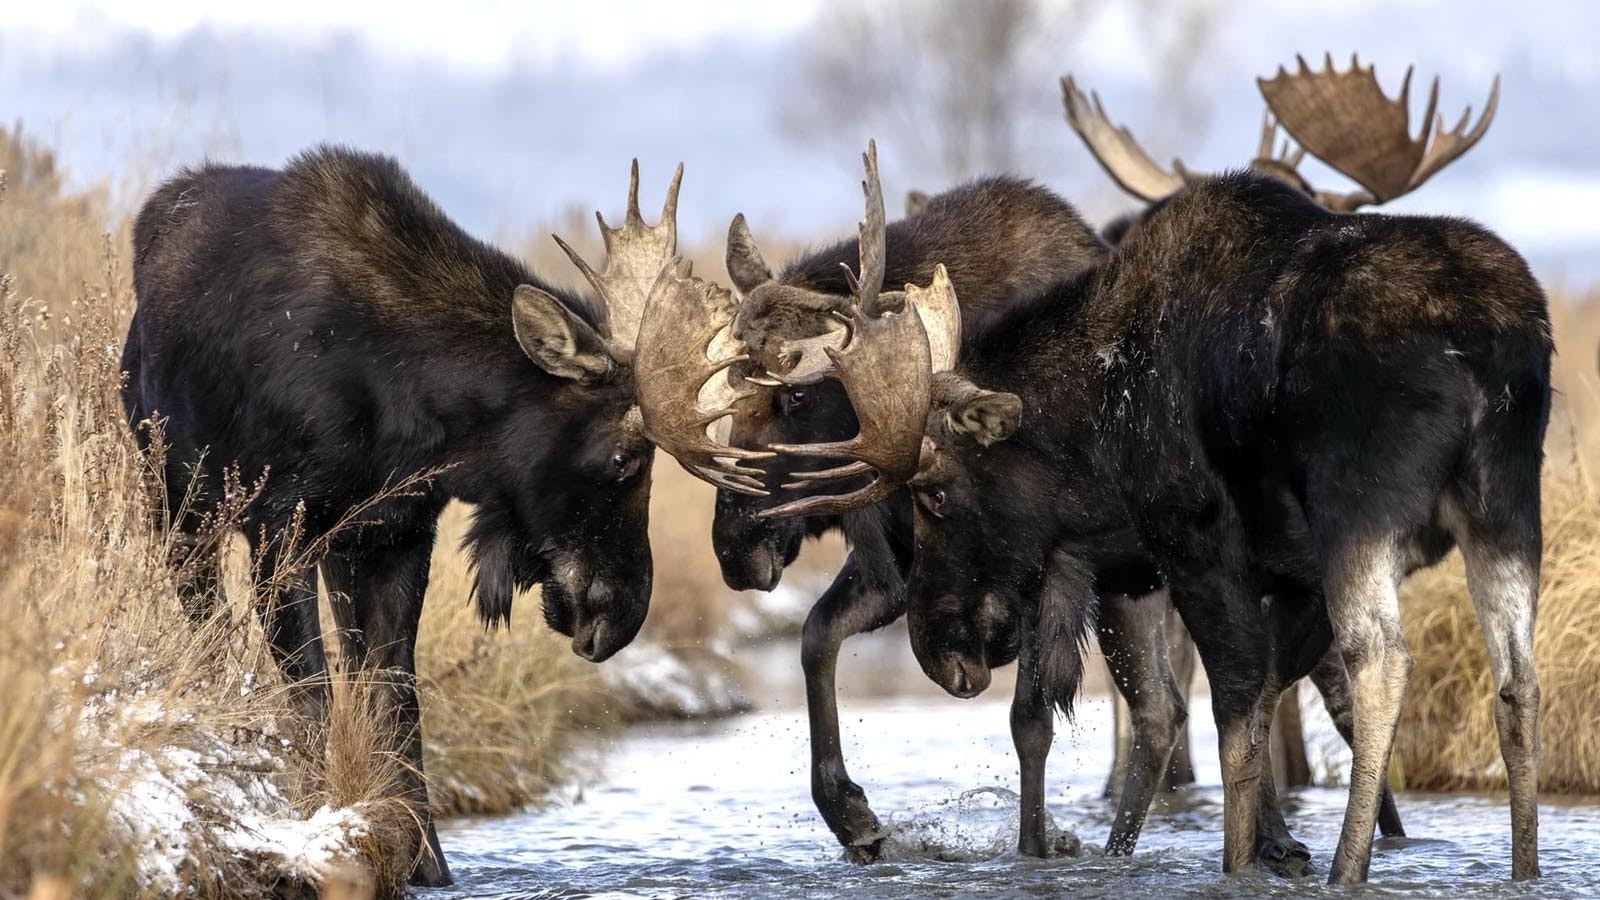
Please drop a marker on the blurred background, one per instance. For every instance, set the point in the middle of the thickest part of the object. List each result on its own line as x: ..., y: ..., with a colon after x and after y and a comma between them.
x: 512, y: 114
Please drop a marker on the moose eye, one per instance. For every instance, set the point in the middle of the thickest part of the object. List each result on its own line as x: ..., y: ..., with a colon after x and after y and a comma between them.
x: 796, y: 398
x: 935, y: 501
x: 623, y: 463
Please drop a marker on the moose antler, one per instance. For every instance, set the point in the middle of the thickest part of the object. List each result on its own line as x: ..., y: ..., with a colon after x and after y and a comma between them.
x: 681, y: 388
x: 886, y: 363
x: 635, y: 254
x: 1115, y: 149
x: 1347, y: 121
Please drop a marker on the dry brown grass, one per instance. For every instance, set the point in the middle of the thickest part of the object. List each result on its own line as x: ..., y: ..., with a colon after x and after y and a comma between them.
x: 1447, y: 736
x: 105, y: 686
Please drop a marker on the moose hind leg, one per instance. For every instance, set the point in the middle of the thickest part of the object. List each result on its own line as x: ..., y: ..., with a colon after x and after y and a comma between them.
x: 1276, y: 848
x: 1134, y: 642
x: 1504, y: 583
x: 1363, y: 607
x: 1333, y: 683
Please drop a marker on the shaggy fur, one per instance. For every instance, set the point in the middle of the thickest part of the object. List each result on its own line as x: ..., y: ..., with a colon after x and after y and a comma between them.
x: 1275, y: 400
x: 999, y: 238
x: 329, y: 332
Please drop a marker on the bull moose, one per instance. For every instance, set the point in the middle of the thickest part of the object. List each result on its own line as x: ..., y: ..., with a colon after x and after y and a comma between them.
x: 1279, y: 400
x: 328, y: 327
x: 1335, y: 113
x: 968, y: 229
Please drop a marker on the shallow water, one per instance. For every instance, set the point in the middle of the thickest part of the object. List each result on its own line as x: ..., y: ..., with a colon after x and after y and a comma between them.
x: 724, y: 810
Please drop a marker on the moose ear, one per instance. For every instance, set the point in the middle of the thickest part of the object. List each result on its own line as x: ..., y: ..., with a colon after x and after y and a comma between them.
x: 556, y: 339
x: 745, y: 265
x: 987, y: 416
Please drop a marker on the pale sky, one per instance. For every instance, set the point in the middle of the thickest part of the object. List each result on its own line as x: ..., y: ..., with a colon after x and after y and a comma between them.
x: 468, y: 33
x: 513, y: 113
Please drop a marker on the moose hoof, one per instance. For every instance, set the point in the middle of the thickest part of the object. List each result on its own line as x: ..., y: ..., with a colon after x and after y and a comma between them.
x: 431, y: 869
x: 1283, y: 856
x: 864, y: 853
x: 844, y: 807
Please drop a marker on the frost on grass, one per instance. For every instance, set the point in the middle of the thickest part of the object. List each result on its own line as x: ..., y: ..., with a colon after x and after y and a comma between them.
x: 181, y: 803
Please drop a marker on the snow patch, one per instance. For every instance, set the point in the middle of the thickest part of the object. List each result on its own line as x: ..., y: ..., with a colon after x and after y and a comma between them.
x: 659, y: 682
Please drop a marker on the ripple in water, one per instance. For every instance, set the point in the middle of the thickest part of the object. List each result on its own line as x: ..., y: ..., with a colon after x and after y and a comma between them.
x: 724, y: 810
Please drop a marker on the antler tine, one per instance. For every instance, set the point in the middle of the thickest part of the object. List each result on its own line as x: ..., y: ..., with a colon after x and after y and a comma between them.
x: 1346, y: 120
x: 589, y: 273
x: 886, y: 367
x: 635, y: 252
x: 669, y: 209
x: 1448, y: 145
x: 633, y: 192
x: 873, y: 235
x: 1114, y: 148
x: 1269, y: 133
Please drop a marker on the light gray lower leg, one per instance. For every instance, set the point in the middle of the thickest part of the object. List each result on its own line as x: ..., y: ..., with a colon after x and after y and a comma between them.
x: 1504, y: 588
x: 1333, y: 684
x: 1135, y: 644
x: 1364, y: 610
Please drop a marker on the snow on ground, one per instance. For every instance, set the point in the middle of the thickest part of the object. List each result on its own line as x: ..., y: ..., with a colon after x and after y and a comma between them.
x: 657, y: 682
x: 199, y: 793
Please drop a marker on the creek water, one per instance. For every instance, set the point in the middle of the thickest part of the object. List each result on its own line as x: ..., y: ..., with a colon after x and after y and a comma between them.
x: 723, y: 809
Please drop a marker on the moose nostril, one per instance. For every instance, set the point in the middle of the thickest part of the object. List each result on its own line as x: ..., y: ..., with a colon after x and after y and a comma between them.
x: 588, y: 640
x: 961, y: 685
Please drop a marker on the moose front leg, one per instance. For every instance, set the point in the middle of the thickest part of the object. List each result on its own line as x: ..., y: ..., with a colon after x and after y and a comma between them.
x: 846, y: 608
x: 377, y: 596
x: 286, y: 604
x: 1199, y: 543
x: 1032, y: 729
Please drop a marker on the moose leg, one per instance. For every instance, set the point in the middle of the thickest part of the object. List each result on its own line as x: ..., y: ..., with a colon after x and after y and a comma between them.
x: 1180, y: 767
x: 379, y: 605
x: 1135, y: 645
x: 1276, y: 848
x: 1503, y: 578
x: 1360, y: 582
x: 195, y: 560
x: 844, y: 609
x: 1122, y: 739
x: 286, y: 603
x: 1032, y: 729
x: 1333, y: 684
x: 1199, y: 543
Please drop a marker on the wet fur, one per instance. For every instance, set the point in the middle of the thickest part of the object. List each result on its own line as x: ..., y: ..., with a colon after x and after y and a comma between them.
x: 1253, y: 385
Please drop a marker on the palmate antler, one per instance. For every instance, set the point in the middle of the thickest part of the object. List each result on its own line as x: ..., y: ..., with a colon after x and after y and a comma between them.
x: 1346, y: 120
x: 891, y: 346
x: 681, y: 389
x: 668, y: 322
x: 1115, y: 149
x: 1342, y: 118
x: 635, y: 255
